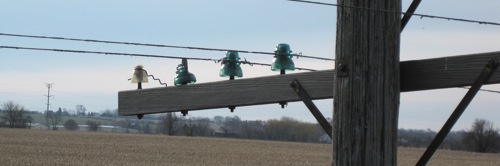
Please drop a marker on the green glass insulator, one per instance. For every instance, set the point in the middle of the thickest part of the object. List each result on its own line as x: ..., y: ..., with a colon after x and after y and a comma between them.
x: 231, y: 65
x: 282, y: 58
x: 183, y: 76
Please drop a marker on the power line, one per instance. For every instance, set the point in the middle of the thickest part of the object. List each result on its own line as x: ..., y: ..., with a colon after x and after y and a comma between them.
x: 138, y: 55
x: 265, y: 64
x: 105, y: 53
x: 157, y: 45
x: 397, y: 12
x: 485, y: 90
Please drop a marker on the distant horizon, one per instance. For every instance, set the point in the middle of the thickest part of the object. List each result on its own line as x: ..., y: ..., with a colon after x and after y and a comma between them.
x: 312, y: 120
x: 94, y: 80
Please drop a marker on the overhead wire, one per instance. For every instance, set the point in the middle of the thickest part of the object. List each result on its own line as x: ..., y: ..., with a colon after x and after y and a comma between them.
x: 407, y: 13
x: 135, y: 54
x: 157, y: 45
x: 265, y: 64
x: 485, y: 90
x: 398, y: 12
x: 105, y: 53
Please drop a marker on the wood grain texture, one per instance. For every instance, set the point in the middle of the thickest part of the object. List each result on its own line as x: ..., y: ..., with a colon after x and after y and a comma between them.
x: 241, y: 92
x: 427, y: 74
x: 366, y: 101
x: 445, y: 72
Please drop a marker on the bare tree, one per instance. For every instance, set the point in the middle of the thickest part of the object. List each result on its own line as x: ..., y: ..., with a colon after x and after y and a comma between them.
x: 482, y: 137
x: 281, y: 129
x: 289, y: 129
x: 232, y: 124
x: 93, y: 126
x: 108, y: 113
x: 146, y: 129
x: 80, y: 110
x: 55, y: 119
x: 253, y: 129
x: 197, y: 127
x: 168, y: 124
x: 28, y: 121
x: 170, y: 120
x: 70, y: 124
x: 203, y: 127
x: 189, y: 127
x: 14, y: 115
x: 218, y: 119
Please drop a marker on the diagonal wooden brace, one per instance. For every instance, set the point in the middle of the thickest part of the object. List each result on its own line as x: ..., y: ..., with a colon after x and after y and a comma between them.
x: 302, y: 93
x: 482, y: 79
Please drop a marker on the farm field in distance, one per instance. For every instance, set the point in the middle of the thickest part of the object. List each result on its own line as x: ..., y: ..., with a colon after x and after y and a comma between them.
x: 42, y: 147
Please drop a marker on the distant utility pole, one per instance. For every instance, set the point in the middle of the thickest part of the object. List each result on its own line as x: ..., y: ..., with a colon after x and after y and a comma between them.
x: 49, y: 85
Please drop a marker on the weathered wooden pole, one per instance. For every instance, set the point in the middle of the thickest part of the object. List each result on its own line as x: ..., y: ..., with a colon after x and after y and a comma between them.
x: 367, y: 83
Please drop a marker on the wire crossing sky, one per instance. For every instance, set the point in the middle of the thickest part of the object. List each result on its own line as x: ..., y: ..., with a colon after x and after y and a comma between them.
x: 158, y: 45
x: 389, y: 11
x: 94, y: 80
x: 138, y: 55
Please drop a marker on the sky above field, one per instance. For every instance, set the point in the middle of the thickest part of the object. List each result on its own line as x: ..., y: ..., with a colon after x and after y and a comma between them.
x: 94, y: 80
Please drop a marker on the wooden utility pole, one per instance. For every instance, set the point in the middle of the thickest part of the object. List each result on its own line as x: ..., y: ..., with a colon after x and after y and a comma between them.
x: 49, y: 85
x: 367, y: 85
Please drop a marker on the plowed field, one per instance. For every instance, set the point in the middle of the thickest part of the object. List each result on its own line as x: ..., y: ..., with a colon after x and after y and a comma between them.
x: 36, y: 147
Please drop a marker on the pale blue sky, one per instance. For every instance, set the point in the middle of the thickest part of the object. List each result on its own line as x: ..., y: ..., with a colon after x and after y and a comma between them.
x: 257, y: 25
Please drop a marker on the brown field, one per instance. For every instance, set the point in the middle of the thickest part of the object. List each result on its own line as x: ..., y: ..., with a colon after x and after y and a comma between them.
x: 35, y: 147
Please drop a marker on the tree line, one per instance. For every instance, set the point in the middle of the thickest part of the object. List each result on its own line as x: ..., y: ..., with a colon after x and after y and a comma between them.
x: 284, y: 129
x: 481, y: 137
